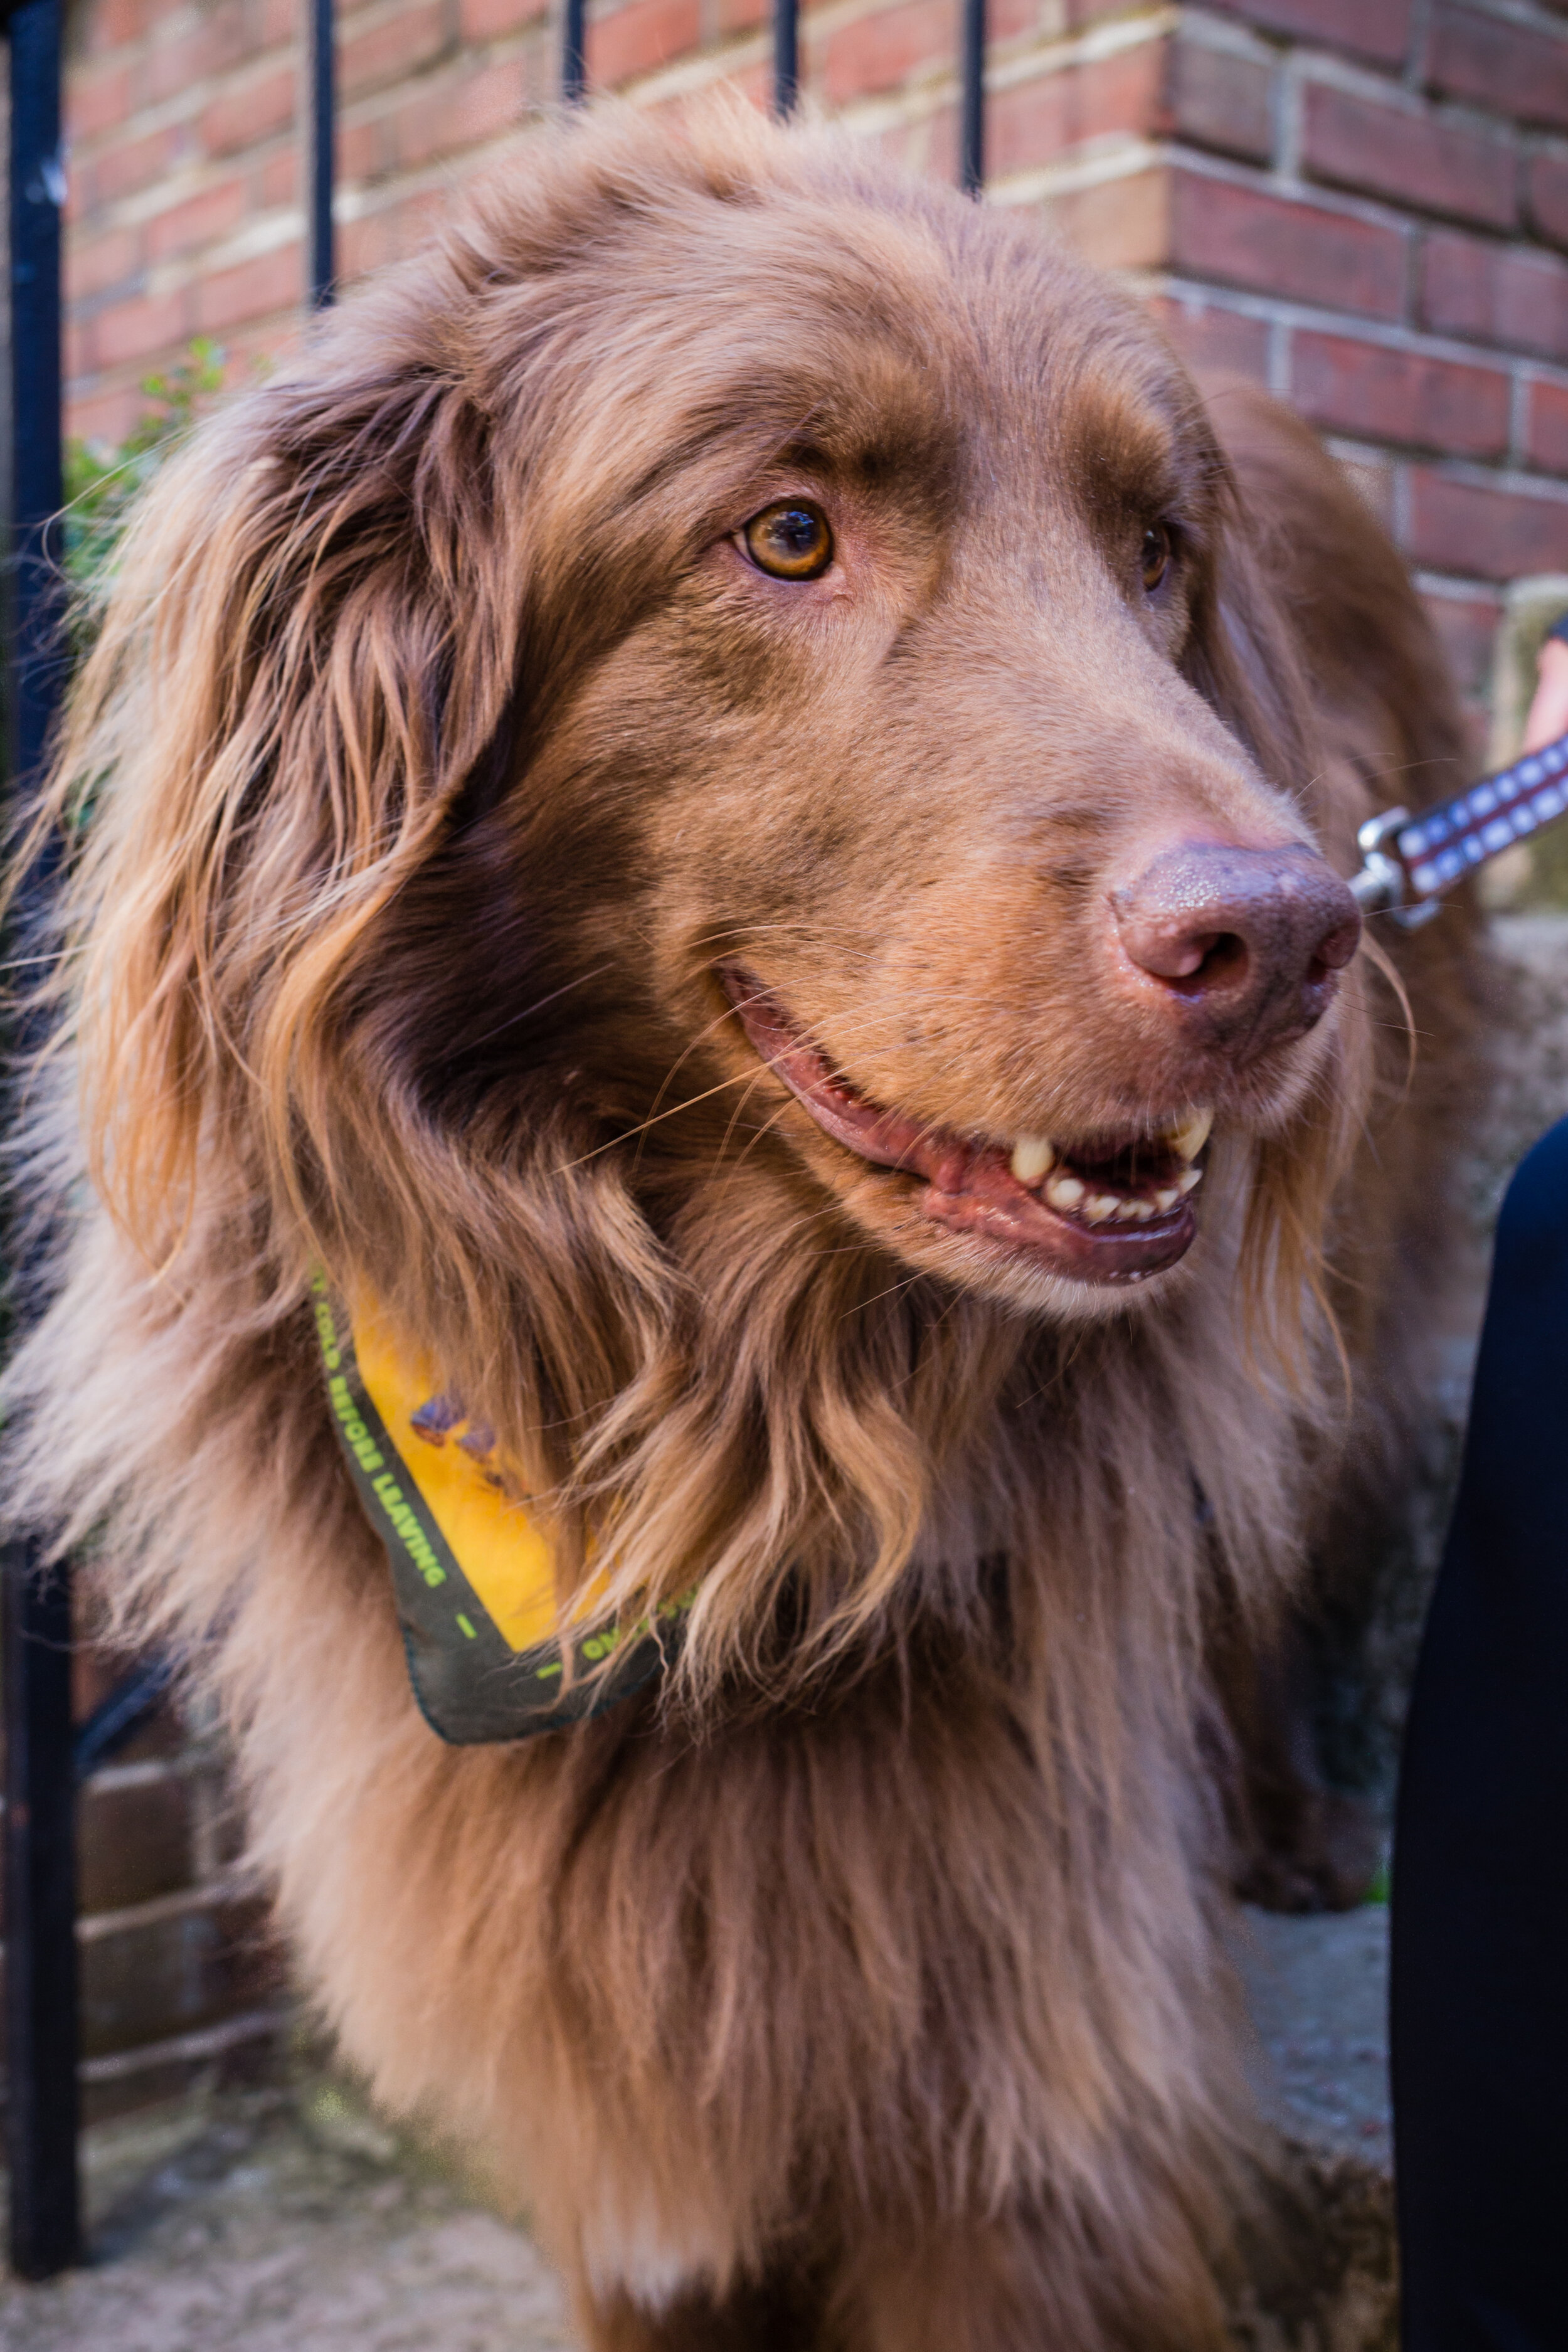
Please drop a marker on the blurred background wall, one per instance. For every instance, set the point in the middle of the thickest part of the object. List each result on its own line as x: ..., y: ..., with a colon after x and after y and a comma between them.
x: 1362, y: 203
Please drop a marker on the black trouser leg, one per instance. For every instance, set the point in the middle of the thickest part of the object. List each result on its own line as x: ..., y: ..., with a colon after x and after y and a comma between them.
x: 1480, y: 1872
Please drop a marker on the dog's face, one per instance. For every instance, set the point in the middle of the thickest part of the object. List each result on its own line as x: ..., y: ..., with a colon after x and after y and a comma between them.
x: 885, y: 814
x: 742, y: 665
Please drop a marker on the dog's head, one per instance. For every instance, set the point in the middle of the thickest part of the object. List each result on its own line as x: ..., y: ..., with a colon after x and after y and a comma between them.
x: 731, y: 691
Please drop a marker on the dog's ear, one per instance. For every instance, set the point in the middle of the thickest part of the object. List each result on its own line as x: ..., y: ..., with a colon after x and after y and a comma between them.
x: 307, y: 658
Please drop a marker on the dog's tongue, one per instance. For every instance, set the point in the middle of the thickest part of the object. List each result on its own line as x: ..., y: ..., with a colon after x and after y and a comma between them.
x: 971, y: 1187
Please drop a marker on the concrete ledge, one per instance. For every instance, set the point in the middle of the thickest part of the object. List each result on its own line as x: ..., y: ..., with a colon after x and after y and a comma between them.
x: 291, y: 2220
x: 1323, y: 2277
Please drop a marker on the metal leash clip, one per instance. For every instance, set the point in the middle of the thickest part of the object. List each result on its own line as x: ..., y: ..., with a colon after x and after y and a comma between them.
x: 1407, y: 862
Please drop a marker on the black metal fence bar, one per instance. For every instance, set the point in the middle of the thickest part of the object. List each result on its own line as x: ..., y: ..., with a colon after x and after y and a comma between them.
x: 971, y: 100
x: 321, y: 261
x: 41, y: 2110
x: 41, y: 2106
x: 786, y: 58
x: 573, y: 52
x: 786, y: 74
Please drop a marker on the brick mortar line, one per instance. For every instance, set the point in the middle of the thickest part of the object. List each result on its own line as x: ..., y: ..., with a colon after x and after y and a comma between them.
x: 1233, y: 39
x: 1455, y: 587
x: 1415, y: 103
x: 1420, y: 49
x: 263, y: 234
x: 464, y: 63
x: 1513, y: 481
x: 126, y: 375
x: 152, y: 1771
x: 1285, y: 161
x: 1399, y: 506
x: 694, y: 70
x: 370, y: 16
x: 203, y: 2042
x: 362, y: 199
x: 1509, y: 472
x: 1262, y: 180
x: 134, y: 50
x: 1108, y: 156
x: 203, y: 173
x: 231, y: 1884
x: 1026, y: 54
x: 1499, y: 360
x: 182, y: 106
x: 1377, y: 212
x: 1278, y: 359
x: 1043, y: 62
x: 1519, y: 408
x: 1515, y: 12
x: 149, y: 1772
x: 868, y: 116
x: 192, y: 176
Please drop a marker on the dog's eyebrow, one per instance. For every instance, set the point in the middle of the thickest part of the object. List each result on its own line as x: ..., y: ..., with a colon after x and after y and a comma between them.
x: 864, y: 407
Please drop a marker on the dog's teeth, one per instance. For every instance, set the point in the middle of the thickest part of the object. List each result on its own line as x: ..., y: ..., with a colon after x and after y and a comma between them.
x: 1126, y: 1212
x: 1141, y: 1210
x: 1033, y: 1156
x: 1190, y: 1138
x: 1188, y: 1178
x: 1099, y: 1207
x: 1064, y: 1191
x: 1166, y: 1197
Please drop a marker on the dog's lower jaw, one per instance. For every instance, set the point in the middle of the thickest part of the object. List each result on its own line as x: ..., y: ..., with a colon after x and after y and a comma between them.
x: 1126, y: 1215
x: 1109, y: 1259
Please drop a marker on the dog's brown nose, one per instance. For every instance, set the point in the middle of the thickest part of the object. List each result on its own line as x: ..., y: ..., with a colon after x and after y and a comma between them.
x: 1247, y: 941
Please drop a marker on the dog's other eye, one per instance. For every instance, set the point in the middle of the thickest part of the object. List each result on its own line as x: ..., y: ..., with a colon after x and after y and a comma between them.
x: 1156, y: 555
x: 791, y: 542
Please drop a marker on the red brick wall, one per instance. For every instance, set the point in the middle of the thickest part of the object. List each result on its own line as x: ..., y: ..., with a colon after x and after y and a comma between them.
x: 185, y: 165
x: 182, y: 1985
x: 1387, y: 251
x: 1364, y: 203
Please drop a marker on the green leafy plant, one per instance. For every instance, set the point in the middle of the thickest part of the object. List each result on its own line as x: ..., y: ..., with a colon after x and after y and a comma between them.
x: 103, y: 482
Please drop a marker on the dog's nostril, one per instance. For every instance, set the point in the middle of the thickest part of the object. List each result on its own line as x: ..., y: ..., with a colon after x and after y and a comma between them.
x: 1217, y: 959
x: 1169, y: 948
x: 1250, y: 939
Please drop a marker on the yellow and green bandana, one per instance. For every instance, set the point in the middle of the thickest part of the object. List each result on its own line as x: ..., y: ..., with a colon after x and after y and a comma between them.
x: 472, y: 1574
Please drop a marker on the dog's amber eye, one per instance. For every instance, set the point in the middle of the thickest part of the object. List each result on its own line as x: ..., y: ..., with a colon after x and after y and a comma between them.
x: 790, y: 541
x: 1156, y: 555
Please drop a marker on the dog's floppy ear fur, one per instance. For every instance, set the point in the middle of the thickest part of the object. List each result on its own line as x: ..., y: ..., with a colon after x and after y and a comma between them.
x: 320, y: 599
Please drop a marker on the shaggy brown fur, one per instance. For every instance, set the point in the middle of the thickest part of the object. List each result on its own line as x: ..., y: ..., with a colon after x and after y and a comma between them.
x: 859, y: 1985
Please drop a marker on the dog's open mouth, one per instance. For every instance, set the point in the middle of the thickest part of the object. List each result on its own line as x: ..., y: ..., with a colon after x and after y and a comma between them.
x: 1112, y: 1209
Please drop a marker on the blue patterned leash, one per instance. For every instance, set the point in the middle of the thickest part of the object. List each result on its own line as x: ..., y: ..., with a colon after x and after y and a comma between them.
x: 1409, y: 861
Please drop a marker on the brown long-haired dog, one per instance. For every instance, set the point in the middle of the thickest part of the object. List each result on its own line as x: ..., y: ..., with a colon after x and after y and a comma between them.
x: 702, y: 806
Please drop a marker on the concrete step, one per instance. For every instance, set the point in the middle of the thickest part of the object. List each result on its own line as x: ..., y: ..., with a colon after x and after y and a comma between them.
x: 1323, y: 2274
x: 291, y: 2220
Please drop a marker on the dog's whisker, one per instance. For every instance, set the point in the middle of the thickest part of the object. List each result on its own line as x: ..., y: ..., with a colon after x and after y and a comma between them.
x: 893, y: 1290
x: 581, y: 979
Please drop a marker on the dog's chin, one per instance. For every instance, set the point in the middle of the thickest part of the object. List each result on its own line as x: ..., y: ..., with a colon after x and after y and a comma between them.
x: 1058, y: 1228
